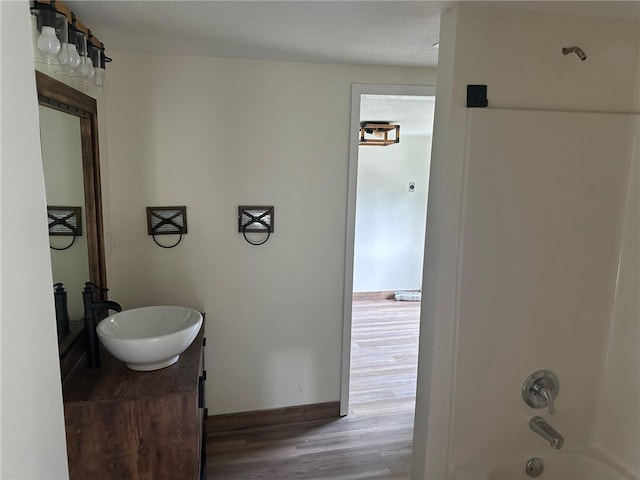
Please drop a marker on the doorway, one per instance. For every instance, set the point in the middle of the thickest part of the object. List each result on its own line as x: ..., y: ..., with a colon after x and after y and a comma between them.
x: 385, y: 216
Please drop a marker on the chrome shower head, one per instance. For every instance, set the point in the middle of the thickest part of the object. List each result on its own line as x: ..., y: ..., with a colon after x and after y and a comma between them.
x: 577, y: 50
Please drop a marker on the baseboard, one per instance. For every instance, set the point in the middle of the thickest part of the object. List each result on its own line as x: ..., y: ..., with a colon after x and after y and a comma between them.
x: 270, y: 417
x: 377, y: 295
x: 372, y: 295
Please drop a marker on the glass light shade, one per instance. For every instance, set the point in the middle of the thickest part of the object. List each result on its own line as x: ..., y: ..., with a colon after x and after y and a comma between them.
x: 83, y: 69
x: 100, y: 77
x: 91, y: 71
x: 77, y: 51
x: 94, y: 55
x: 81, y: 43
x: 63, y: 56
x: 74, y: 58
x: 49, y: 32
x: 93, y: 64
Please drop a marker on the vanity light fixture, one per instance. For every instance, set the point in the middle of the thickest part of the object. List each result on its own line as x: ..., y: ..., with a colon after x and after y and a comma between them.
x: 61, y: 39
x: 167, y: 221
x: 49, y: 27
x: 379, y: 133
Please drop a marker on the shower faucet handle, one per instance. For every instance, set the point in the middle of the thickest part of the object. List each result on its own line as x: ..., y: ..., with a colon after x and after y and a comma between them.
x: 540, y: 390
x: 545, y: 393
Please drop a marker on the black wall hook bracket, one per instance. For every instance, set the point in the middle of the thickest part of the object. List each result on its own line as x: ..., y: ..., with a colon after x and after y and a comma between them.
x: 256, y: 219
x: 167, y: 221
x: 64, y: 222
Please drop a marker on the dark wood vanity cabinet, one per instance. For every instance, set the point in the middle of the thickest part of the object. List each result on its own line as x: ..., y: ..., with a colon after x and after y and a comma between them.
x: 126, y: 425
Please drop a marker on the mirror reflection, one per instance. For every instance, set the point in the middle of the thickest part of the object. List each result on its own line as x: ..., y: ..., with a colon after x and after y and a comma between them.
x: 71, y: 164
x: 61, y: 142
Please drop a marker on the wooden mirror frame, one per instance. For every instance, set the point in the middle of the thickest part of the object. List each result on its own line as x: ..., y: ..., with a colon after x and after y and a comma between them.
x: 57, y: 95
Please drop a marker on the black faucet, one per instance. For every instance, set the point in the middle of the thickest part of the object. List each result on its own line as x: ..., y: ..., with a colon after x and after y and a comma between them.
x: 62, y: 312
x: 92, y: 310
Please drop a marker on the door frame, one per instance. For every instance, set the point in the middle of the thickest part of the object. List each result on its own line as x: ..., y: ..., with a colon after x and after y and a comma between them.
x: 357, y: 90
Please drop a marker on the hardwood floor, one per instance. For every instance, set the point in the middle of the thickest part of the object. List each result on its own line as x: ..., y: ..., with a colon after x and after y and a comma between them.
x: 372, y: 442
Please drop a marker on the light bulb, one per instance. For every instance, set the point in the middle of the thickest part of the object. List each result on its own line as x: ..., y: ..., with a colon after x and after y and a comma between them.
x: 48, y: 42
x: 64, y: 54
x: 74, y: 58
x: 91, y: 71
x: 84, y: 68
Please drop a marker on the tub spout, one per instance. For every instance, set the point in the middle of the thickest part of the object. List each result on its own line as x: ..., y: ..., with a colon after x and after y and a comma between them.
x: 546, y: 431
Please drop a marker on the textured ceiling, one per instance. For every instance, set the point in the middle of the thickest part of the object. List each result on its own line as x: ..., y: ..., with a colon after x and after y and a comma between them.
x: 369, y: 32
x: 365, y: 32
x: 400, y: 33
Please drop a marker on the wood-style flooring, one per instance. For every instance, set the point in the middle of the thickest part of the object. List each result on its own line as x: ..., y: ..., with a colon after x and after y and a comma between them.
x: 372, y: 442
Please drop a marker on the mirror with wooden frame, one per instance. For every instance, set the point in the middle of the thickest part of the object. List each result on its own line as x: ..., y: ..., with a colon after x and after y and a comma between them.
x: 71, y: 162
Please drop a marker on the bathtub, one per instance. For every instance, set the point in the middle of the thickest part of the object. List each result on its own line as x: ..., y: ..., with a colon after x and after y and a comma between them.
x: 557, y: 466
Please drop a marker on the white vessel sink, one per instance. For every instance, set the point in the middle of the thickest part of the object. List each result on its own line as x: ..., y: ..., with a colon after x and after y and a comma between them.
x: 149, y: 338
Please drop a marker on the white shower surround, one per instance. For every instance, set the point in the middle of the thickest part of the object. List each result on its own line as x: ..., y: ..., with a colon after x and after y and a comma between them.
x: 583, y: 465
x: 540, y: 252
x: 513, y: 53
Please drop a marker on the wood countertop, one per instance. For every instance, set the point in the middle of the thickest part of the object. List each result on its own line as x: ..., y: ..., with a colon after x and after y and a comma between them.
x: 114, y: 381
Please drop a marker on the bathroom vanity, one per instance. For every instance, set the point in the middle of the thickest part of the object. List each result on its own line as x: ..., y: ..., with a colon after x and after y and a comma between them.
x: 125, y: 424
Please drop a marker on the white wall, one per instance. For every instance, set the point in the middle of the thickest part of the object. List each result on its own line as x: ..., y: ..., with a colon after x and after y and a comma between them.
x: 390, y: 220
x: 213, y: 134
x: 32, y: 423
x: 517, y: 54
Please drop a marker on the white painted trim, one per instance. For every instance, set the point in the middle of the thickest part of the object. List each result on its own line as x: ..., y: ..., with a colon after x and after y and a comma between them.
x: 357, y: 90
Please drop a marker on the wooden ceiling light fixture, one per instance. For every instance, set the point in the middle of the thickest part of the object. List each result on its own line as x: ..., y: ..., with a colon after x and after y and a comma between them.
x: 379, y: 133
